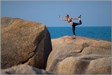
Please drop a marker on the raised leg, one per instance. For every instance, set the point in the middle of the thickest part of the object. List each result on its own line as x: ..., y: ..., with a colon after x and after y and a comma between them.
x: 80, y: 22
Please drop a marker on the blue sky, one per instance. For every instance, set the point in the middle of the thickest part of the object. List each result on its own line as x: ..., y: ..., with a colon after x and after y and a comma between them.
x: 94, y: 13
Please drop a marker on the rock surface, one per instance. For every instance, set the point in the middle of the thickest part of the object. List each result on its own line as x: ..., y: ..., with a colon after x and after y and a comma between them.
x: 79, y: 56
x: 24, y: 69
x: 24, y: 42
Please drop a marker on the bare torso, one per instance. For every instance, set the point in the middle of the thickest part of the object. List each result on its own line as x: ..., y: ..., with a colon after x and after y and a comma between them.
x: 69, y: 19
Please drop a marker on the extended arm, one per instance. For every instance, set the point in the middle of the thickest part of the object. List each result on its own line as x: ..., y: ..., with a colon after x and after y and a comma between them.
x: 75, y: 18
x: 61, y: 18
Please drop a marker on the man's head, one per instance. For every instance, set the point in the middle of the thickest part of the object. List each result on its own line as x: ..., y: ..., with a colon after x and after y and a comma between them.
x: 67, y: 16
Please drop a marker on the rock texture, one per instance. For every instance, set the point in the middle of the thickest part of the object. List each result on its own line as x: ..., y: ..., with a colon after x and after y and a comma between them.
x: 80, y: 56
x: 24, y: 42
x: 24, y: 69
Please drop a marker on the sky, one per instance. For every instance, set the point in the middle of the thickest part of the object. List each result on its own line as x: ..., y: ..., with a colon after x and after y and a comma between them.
x: 94, y: 13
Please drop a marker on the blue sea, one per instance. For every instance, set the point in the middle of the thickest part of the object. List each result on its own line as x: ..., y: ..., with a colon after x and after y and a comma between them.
x: 103, y: 33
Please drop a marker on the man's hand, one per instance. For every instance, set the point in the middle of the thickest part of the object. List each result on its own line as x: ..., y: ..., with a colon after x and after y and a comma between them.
x: 61, y: 18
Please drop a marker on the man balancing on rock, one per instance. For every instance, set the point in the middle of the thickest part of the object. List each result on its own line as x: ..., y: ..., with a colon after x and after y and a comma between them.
x: 73, y: 24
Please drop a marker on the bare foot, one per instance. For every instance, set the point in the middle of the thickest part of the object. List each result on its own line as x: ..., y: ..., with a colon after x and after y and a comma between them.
x: 74, y: 37
x: 79, y: 16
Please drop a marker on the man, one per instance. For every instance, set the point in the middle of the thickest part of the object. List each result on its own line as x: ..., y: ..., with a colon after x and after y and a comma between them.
x: 73, y: 24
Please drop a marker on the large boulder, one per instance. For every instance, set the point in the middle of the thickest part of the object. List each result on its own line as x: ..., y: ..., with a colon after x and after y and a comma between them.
x: 24, y: 69
x: 79, y: 56
x: 24, y: 42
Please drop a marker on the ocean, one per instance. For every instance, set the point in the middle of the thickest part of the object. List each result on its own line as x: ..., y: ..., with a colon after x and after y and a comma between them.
x: 103, y: 33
